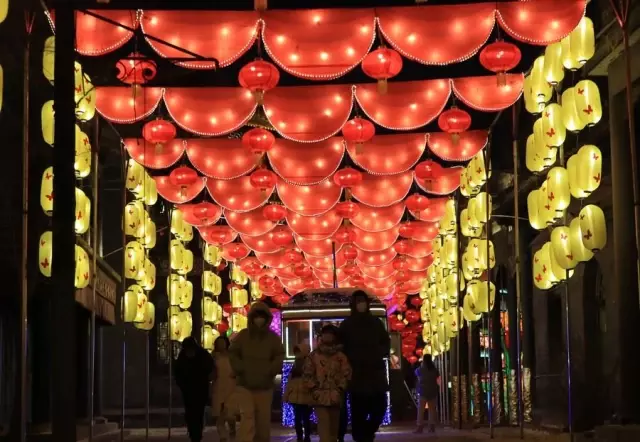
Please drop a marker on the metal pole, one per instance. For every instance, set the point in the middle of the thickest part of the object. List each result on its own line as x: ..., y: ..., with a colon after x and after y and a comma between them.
x: 24, y: 292
x: 335, y: 269
x: 487, y: 166
x: 146, y: 370
x: 459, y: 318
x: 516, y: 228
x: 445, y: 358
x: 170, y: 335
x: 123, y: 386
x: 94, y: 278
x: 441, y: 370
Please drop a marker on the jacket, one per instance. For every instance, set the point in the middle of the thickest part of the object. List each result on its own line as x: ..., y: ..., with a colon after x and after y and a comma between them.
x: 193, y: 374
x: 427, y: 384
x: 296, y: 392
x: 366, y: 344
x: 326, y: 374
x: 224, y: 384
x: 256, y: 354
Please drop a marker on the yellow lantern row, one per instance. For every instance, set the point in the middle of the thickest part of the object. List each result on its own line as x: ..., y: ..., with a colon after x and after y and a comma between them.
x: 538, y: 154
x: 45, y: 258
x: 181, y: 258
x: 474, y: 175
x: 212, y: 254
x: 585, y: 171
x: 138, y: 223
x: 211, y: 310
x: 581, y: 106
x: 238, y: 276
x: 537, y: 90
x: 141, y: 184
x: 476, y: 258
x: 211, y: 283
x: 179, y: 228
x: 208, y: 337
x: 179, y: 291
x: 180, y: 324
x: 483, y: 296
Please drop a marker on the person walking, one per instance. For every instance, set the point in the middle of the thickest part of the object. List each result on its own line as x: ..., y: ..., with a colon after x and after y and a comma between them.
x: 427, y: 385
x: 224, y: 386
x: 366, y: 345
x: 256, y: 355
x: 297, y: 394
x: 193, y: 371
x: 326, y: 374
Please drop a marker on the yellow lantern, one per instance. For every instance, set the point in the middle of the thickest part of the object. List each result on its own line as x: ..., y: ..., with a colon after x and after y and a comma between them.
x: 469, y: 309
x: 187, y: 262
x: 482, y: 206
x: 176, y: 255
x: 255, y: 291
x: 531, y: 103
x: 542, y: 277
x: 149, y: 238
x: 467, y: 269
x: 573, y: 166
x: 207, y: 309
x: 553, y: 68
x: 176, y: 284
x: 149, y: 192
x: 593, y: 227
x: 570, y: 113
x: 569, y: 60
x: 46, y: 191
x: 582, y: 43
x: 239, y: 297
x: 589, y: 168
x: 561, y: 248
x: 175, y: 327
x: 578, y: 249
x: 147, y: 277
x: 136, y: 292
x: 546, y: 214
x: 186, y: 325
x: 477, y: 172
x: 129, y: 306
x: 473, y: 222
x: 541, y: 90
x: 552, y: 125
x: 212, y: 254
x: 547, y: 152
x: 208, y: 337
x: 82, y: 162
x: 47, y: 116
x: 453, y: 284
x: 186, y: 234
x: 45, y: 253
x: 208, y: 281
x: 48, y: 56
x: 176, y: 221
x: 533, y: 200
x: 186, y: 297
x: 134, y: 215
x: 534, y: 161
x: 449, y: 257
x: 134, y: 256
x: 4, y: 9
x: 452, y: 322
x: 465, y: 228
x: 558, y: 194
x: 238, y: 276
x: 148, y: 319
x: 238, y: 322
x: 83, y: 212
x: 431, y: 273
x: 85, y: 99
x: 587, y: 101
x: 135, y: 177
x: 464, y: 183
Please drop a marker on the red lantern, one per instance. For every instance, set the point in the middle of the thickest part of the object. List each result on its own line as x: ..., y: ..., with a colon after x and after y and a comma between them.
x: 136, y: 70
x: 400, y: 263
x: 382, y: 64
x: 406, y: 230
x: 428, y: 170
x: 183, y: 177
x: 281, y: 299
x: 302, y: 271
x: 401, y: 308
x: 347, y: 177
x: 412, y: 359
x: 500, y: 57
x: 259, y: 76
x: 419, y: 351
x: 263, y: 179
x: 350, y: 252
x: 401, y: 247
x: 159, y: 132
x: 345, y: 235
x: 454, y: 121
x: 415, y: 301
x: 412, y: 316
x: 357, y: 281
x: 222, y: 327
x: 408, y: 348
x: 274, y: 212
x: 237, y: 250
x: 396, y: 325
x: 347, y: 209
x: 350, y: 269
x: 402, y: 276
x: 205, y: 211
x: 358, y: 131
x: 417, y: 202
x: 258, y: 141
x: 293, y: 257
x: 282, y: 237
x: 266, y: 283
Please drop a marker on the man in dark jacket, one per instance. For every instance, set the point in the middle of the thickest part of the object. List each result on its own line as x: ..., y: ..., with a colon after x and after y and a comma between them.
x: 366, y: 344
x: 193, y: 371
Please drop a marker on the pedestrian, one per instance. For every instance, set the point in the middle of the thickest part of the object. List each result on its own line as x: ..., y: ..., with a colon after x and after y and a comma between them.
x: 344, y: 420
x: 297, y: 394
x: 224, y: 386
x: 366, y: 345
x: 193, y: 371
x: 428, y: 378
x: 256, y: 356
x: 326, y: 375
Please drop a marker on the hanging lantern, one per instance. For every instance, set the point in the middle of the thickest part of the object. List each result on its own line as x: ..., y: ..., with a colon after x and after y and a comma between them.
x: 45, y: 253
x: 401, y: 247
x: 239, y: 297
x: 406, y: 230
x: 187, y: 262
x: 553, y: 68
x: 147, y: 277
x: 206, y: 213
x: 382, y: 64
x: 207, y: 338
x: 293, y: 257
x: 587, y: 102
x: 274, y: 212
x: 358, y: 131
x: 260, y: 5
x: 83, y: 213
x: 500, y: 57
x: 183, y: 177
x: 540, y: 89
x: 594, y: 228
x: 570, y: 112
x: 186, y: 325
x: 82, y: 161
x: 589, y: 168
x: 417, y: 203
x: 483, y: 207
x: 542, y: 269
x: 558, y: 194
x: 134, y: 257
x: 259, y: 76
x: 578, y: 249
x: 47, y: 116
x: 85, y: 95
x: 263, y: 180
x: 579, y: 46
x: 258, y: 141
x: 136, y: 70
x: 531, y: 103
x: 483, y: 295
x: 349, y: 252
x: 158, y: 132
x: 347, y: 209
x: 186, y: 297
x: 534, y: 161
x: 212, y: 254
x: 237, y: 251
x: 46, y: 191
x: 82, y: 268
x: 211, y: 283
x: 347, y: 177
x: 454, y: 121
x: 282, y: 237
x: 465, y: 227
x: 135, y: 177
x: 561, y: 247
x: 176, y: 255
x: 449, y: 254
x: 428, y: 170
x: 574, y: 171
x: 345, y: 235
x: 176, y: 285
x: 552, y: 125
x: 48, y: 55
x: 547, y: 152
x: 238, y: 276
x: 141, y: 300
x: 129, y: 305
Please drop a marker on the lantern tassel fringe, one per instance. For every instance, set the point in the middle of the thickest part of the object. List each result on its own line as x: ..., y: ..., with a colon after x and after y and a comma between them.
x: 502, y: 79
x: 260, y: 5
x: 383, y: 86
x: 258, y: 96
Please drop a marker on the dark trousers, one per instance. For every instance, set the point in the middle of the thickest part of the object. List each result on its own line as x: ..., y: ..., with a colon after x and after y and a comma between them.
x: 194, y: 415
x: 367, y: 413
x: 302, y: 419
x: 344, y: 420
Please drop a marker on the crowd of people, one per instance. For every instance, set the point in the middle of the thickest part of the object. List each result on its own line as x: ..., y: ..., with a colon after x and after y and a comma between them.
x: 349, y: 360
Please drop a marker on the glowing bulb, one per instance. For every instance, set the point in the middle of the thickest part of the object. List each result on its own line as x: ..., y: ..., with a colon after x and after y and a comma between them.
x: 324, y: 56
x: 294, y: 57
x: 224, y: 31
x: 411, y: 38
x: 364, y: 29
x: 280, y: 39
x: 413, y: 106
x: 316, y: 19
x: 213, y: 120
x: 328, y: 112
x: 154, y: 20
x: 350, y: 51
x: 338, y: 99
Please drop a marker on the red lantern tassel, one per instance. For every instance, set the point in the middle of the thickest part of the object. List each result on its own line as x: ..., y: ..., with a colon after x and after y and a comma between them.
x: 382, y: 86
x: 347, y: 194
x: 260, y: 5
x: 158, y: 148
x: 258, y: 96
x: 502, y: 79
x: 358, y: 148
x: 455, y: 138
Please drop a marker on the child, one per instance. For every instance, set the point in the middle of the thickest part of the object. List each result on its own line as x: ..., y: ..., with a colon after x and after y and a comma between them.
x: 428, y: 378
x: 223, y: 387
x: 298, y: 395
x: 326, y: 374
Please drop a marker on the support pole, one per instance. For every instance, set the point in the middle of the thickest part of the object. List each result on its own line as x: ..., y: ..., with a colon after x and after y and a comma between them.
x: 147, y: 388
x: 63, y: 268
x: 445, y: 387
x: 458, y: 403
x: 24, y: 287
x: 170, y: 333
x: 123, y: 324
x: 487, y: 166
x: 335, y: 267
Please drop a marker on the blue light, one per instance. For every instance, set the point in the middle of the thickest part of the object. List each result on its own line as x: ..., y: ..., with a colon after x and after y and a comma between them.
x: 287, y: 410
